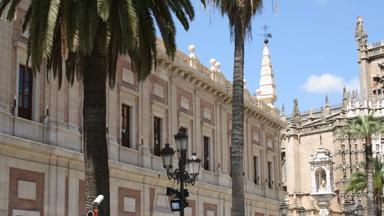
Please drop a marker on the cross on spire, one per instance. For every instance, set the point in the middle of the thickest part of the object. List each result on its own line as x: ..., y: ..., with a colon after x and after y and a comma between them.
x: 266, y: 33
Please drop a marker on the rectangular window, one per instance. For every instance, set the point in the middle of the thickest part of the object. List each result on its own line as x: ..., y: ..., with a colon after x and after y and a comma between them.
x: 206, y: 153
x: 126, y: 126
x: 25, y: 92
x: 156, y: 135
x: 256, y: 170
x: 270, y: 180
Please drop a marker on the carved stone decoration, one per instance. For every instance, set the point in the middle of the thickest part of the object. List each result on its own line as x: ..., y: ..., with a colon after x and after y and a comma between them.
x: 192, y: 56
x: 324, y: 212
x: 322, y: 179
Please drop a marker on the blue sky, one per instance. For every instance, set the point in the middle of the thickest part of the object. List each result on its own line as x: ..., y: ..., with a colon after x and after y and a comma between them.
x: 313, y: 47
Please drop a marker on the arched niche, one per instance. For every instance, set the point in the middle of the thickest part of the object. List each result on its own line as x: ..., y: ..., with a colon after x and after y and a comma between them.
x: 321, y: 179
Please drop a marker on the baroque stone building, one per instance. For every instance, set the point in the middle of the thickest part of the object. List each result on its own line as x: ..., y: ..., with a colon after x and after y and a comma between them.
x: 322, y: 128
x: 41, y: 160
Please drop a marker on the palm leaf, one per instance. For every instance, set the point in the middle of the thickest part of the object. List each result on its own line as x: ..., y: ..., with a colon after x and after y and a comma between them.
x: 12, y: 9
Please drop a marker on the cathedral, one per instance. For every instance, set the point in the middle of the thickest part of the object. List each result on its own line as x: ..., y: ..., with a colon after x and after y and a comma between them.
x: 317, y: 157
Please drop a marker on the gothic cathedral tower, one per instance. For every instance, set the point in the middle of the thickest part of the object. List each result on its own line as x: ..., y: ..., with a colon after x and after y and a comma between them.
x: 371, y: 64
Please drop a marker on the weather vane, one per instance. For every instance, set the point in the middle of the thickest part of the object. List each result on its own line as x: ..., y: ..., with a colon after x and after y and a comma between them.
x: 266, y: 34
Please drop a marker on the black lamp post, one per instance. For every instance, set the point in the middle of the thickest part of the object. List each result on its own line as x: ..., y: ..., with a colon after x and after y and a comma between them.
x: 359, y: 209
x: 350, y: 210
x: 301, y: 211
x: 283, y: 208
x: 348, y: 207
x: 180, y: 174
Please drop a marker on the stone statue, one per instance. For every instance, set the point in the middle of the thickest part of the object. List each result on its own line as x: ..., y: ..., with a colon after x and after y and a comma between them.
x: 323, y: 185
x: 192, y: 56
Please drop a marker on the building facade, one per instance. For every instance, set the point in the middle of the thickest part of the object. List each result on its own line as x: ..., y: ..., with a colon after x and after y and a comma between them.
x: 41, y: 160
x: 309, y: 131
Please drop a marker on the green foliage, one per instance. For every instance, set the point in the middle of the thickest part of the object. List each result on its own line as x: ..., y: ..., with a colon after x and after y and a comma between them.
x: 363, y: 126
x: 239, y: 13
x: 66, y: 31
x: 358, y: 181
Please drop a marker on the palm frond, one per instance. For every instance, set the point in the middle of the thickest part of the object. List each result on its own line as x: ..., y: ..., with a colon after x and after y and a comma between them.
x: 3, y: 5
x: 358, y: 181
x: 240, y: 13
x: 166, y: 26
x: 103, y: 9
x: 88, y: 23
x: 70, y: 25
x: 12, y: 9
x: 144, y: 52
x: 363, y: 126
x: 52, y: 24
x: 27, y: 17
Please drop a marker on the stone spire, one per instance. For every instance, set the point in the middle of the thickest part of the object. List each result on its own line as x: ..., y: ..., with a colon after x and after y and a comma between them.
x: 296, y: 118
x: 282, y: 110
x: 362, y: 47
x: 327, y: 107
x: 360, y: 35
x: 344, y: 104
x: 326, y: 100
x: 267, y: 90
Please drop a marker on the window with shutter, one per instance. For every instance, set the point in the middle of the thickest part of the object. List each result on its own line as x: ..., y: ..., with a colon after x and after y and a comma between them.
x: 126, y: 126
x: 25, y: 92
x: 206, y: 153
x: 156, y: 136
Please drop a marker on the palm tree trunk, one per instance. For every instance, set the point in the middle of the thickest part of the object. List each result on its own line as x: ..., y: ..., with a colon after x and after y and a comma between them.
x: 369, y: 169
x: 95, y: 149
x: 237, y: 125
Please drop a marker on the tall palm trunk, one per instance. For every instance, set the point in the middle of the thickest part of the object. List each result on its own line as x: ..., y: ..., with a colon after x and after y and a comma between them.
x: 94, y: 112
x: 369, y: 169
x: 237, y: 125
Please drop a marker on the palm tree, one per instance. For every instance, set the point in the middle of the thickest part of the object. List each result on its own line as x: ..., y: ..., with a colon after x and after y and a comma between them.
x: 240, y: 13
x: 364, y: 127
x: 87, y: 37
x: 358, y: 183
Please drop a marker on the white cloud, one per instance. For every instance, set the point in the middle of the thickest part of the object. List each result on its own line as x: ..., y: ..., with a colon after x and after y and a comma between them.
x: 353, y: 84
x: 328, y: 83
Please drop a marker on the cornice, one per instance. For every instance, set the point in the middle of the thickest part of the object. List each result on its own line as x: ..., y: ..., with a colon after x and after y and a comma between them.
x: 221, y: 90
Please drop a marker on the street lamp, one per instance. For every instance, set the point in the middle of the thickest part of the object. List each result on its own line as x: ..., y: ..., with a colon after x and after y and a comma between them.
x: 359, y: 209
x: 283, y: 208
x: 301, y: 211
x: 167, y: 155
x: 180, y: 175
x: 181, y: 139
x: 194, y: 165
x: 348, y: 207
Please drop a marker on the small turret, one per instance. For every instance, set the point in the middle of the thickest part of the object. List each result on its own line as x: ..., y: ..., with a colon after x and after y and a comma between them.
x: 360, y: 35
x: 327, y: 107
x: 362, y: 47
x: 344, y: 105
x: 267, y: 91
x: 282, y: 110
x: 296, y: 118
